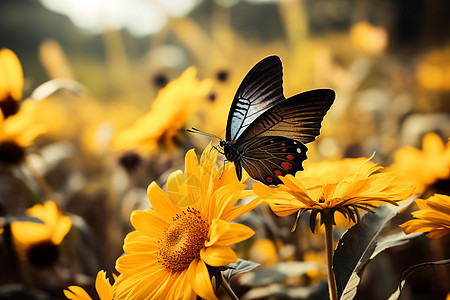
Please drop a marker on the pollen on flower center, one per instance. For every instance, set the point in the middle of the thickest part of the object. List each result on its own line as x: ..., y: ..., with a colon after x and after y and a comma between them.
x: 182, y: 240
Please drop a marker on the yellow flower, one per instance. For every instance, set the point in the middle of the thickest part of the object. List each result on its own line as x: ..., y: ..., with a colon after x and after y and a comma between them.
x: 18, y: 127
x: 433, y: 217
x: 422, y: 168
x: 37, y: 242
x: 264, y: 252
x: 17, y: 132
x: 174, y: 104
x: 11, y: 82
x: 102, y: 285
x: 188, y: 229
x: 369, y: 38
x: 327, y: 187
x: 433, y: 70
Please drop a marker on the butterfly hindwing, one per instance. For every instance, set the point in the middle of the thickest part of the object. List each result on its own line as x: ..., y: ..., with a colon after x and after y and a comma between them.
x: 261, y: 89
x: 266, y: 158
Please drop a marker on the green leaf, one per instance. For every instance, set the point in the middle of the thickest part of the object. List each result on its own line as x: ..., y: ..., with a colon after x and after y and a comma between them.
x: 241, y: 266
x: 396, y: 239
x: 9, y: 219
x: 411, y: 270
x: 361, y: 243
x: 277, y: 273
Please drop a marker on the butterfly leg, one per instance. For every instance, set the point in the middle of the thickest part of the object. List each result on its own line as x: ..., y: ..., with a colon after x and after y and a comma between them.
x: 223, y: 168
x: 219, y: 150
x: 215, y: 147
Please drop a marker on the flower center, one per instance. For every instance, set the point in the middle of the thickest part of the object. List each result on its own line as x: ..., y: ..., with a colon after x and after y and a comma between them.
x: 9, y: 106
x: 130, y: 161
x: 11, y: 152
x: 43, y: 254
x: 182, y: 240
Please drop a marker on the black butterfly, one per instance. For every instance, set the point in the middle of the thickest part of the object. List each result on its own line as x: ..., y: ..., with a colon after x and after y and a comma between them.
x: 266, y: 132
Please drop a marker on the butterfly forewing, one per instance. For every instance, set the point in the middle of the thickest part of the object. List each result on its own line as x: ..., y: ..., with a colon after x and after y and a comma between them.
x: 261, y: 89
x: 298, y: 117
x: 266, y: 158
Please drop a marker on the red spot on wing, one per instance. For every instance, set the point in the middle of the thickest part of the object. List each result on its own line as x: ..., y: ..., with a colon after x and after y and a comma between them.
x: 284, y: 149
x: 272, y: 141
x: 286, y: 165
x: 277, y: 173
x: 269, y: 179
x: 290, y: 157
x: 283, y: 144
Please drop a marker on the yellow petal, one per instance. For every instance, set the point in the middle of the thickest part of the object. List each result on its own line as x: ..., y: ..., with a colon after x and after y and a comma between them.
x: 162, y: 203
x: 432, y: 143
x: 76, y: 293
x: 177, y: 189
x: 136, y: 262
x: 148, y: 222
x: 237, y: 211
x: 62, y: 228
x: 103, y: 286
x: 28, y: 233
x: 11, y: 75
x: 23, y: 124
x: 224, y: 233
x: 181, y: 288
x: 221, y: 201
x: 262, y: 190
x: 136, y: 242
x: 438, y: 233
x: 192, y: 173
x: 217, y: 229
x: 440, y: 203
x: 199, y: 278
x: 285, y: 210
x: 150, y: 287
x: 218, y: 255
x: 153, y: 277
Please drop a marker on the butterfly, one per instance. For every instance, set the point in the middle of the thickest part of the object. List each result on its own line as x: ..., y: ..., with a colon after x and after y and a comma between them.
x: 266, y: 132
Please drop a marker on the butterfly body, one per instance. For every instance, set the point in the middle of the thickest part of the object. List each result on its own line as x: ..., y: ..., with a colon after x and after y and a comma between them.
x: 266, y: 133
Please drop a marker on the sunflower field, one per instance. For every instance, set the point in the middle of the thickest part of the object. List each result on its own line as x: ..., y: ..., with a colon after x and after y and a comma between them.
x: 224, y: 149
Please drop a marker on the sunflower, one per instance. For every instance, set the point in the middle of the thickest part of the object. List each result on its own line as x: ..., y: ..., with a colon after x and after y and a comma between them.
x: 174, y: 104
x: 38, y: 243
x: 103, y: 287
x: 423, y: 168
x: 18, y: 126
x: 17, y: 132
x: 326, y: 187
x: 11, y: 82
x: 187, y: 231
x: 433, y: 217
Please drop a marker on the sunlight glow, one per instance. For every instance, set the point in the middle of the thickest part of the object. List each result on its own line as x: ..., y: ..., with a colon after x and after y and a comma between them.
x: 140, y: 17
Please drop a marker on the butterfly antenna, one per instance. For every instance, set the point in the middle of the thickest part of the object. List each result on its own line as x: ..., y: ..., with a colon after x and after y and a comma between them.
x: 198, y: 131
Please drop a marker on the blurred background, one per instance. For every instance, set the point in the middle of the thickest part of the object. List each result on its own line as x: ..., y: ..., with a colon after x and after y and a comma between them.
x: 110, y: 81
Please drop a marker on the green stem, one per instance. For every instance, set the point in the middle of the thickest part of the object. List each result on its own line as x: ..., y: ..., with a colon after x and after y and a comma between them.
x: 226, y: 286
x: 329, y: 250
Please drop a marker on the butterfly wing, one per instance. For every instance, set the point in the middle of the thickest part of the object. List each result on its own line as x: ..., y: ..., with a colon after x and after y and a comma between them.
x: 261, y: 89
x: 266, y: 158
x: 298, y: 117
x: 273, y: 145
